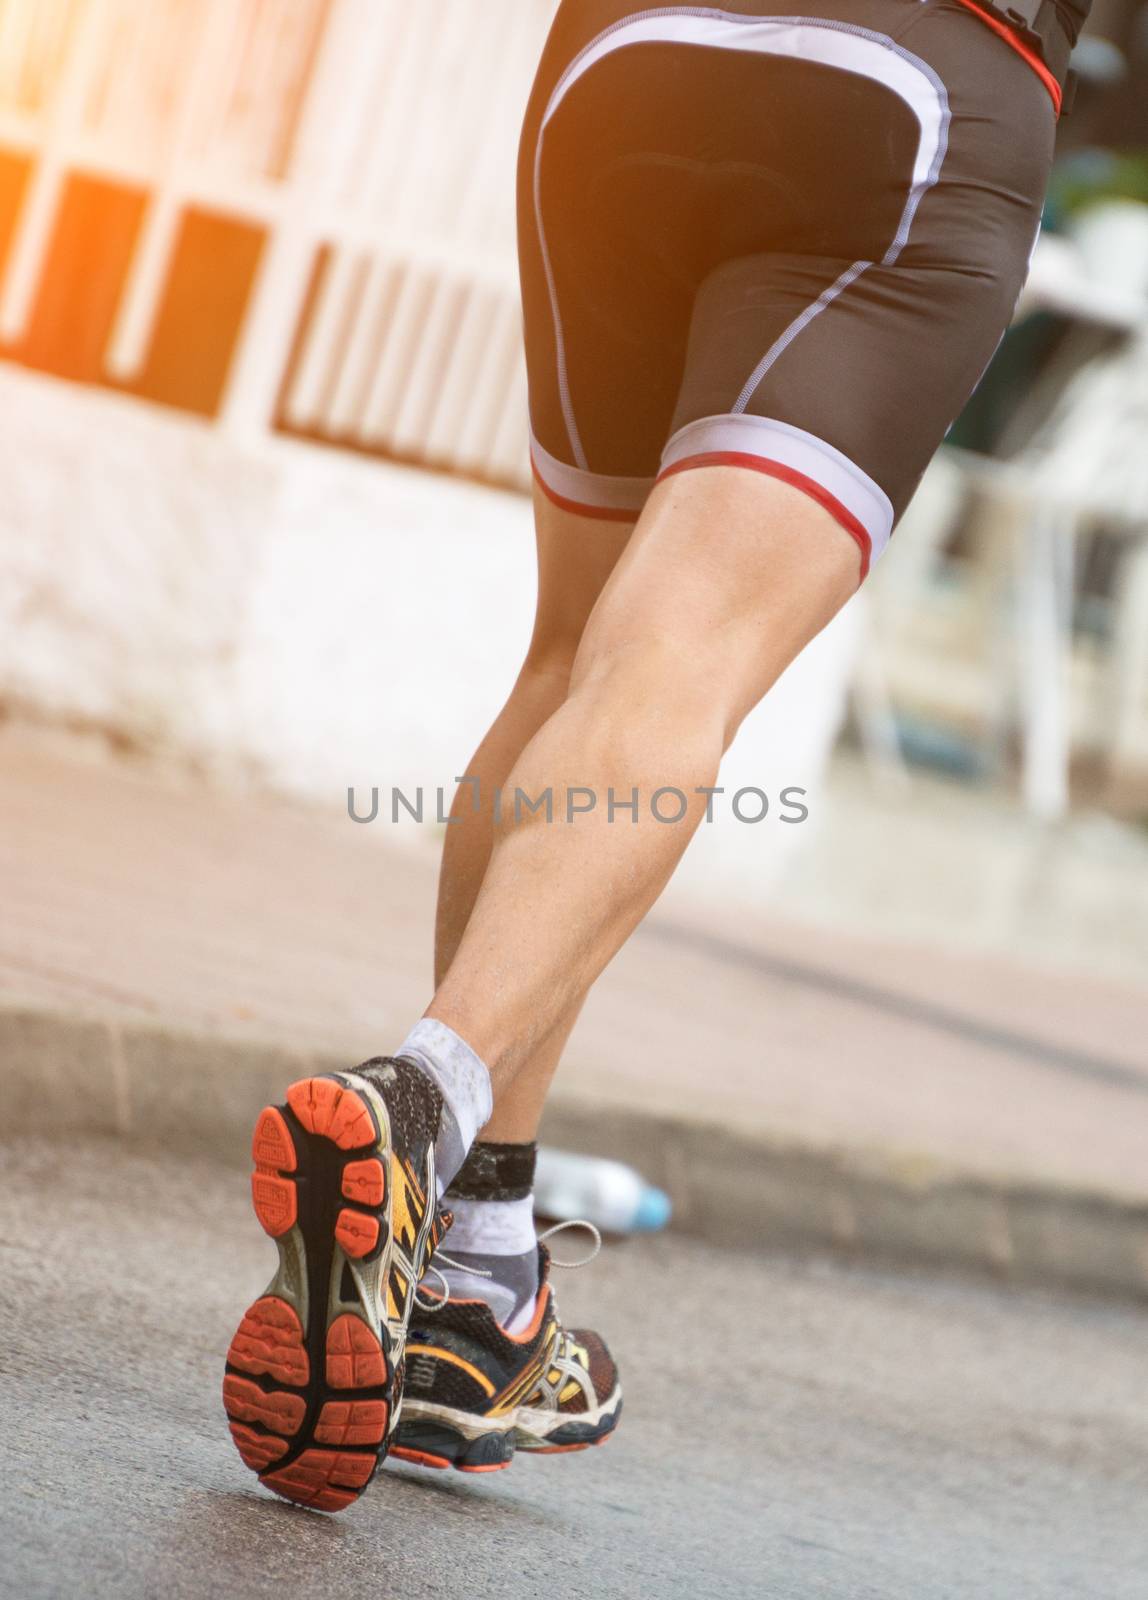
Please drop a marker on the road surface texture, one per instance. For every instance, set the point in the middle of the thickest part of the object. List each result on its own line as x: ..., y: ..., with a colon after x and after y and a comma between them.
x: 791, y: 1429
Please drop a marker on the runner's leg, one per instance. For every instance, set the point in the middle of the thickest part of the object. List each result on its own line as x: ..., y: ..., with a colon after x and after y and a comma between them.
x: 576, y: 555
x: 727, y: 577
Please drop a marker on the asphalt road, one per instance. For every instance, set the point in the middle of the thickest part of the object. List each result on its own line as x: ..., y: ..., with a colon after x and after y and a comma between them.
x: 791, y: 1429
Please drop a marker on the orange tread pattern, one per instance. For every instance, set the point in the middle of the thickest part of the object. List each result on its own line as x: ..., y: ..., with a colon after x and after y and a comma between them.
x: 355, y: 1357
x: 325, y: 1479
x: 271, y: 1143
x: 270, y: 1340
x: 275, y: 1203
x: 245, y: 1401
x: 357, y: 1233
x: 326, y: 1108
x: 419, y: 1457
x: 258, y: 1450
x: 365, y: 1181
x: 352, y: 1422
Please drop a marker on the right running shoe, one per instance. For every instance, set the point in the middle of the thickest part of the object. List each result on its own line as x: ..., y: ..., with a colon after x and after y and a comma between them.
x: 344, y: 1183
x: 475, y: 1394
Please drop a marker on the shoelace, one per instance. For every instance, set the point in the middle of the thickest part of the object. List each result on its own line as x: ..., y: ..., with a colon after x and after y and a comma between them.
x: 587, y: 1227
x: 438, y: 1302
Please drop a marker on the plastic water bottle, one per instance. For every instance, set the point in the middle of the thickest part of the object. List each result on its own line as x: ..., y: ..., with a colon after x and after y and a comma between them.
x: 607, y: 1193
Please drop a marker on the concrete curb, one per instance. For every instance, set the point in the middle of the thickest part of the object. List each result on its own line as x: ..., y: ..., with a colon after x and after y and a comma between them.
x: 67, y: 1074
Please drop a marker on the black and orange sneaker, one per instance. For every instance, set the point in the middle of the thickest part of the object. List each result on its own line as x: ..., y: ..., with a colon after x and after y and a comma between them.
x: 475, y: 1394
x: 344, y: 1183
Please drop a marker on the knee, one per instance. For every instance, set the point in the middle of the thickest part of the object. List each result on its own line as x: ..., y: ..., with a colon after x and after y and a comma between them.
x: 649, y: 663
x: 655, y: 672
x: 706, y: 690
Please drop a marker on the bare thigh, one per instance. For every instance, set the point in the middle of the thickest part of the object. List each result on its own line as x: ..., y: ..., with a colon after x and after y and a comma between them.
x: 727, y: 578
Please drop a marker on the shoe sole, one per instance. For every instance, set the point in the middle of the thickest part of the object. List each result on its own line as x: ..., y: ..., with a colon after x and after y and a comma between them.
x: 428, y: 1439
x: 310, y: 1385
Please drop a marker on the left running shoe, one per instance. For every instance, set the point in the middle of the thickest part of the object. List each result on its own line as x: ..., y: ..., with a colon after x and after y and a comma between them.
x: 344, y: 1182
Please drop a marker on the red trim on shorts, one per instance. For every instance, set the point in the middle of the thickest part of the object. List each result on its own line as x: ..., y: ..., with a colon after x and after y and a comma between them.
x: 603, y: 513
x: 797, y: 480
x: 1014, y: 39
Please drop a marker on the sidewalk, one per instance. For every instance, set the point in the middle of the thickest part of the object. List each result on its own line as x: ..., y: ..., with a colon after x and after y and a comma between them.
x: 169, y: 954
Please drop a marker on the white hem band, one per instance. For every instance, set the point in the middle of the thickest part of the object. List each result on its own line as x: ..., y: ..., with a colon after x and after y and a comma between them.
x: 590, y: 491
x: 800, y: 453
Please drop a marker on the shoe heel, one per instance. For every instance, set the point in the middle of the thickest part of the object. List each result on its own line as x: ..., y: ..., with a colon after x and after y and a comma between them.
x: 330, y: 1110
x: 326, y: 1110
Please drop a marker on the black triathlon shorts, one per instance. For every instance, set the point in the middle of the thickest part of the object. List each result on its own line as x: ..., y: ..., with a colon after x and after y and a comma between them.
x: 783, y: 240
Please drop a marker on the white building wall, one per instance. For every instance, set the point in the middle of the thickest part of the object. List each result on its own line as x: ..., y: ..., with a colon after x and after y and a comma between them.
x: 292, y: 615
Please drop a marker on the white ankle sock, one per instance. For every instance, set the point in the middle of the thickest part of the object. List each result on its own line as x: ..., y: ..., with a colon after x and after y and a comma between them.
x: 497, y: 1250
x: 462, y: 1079
x: 493, y: 1227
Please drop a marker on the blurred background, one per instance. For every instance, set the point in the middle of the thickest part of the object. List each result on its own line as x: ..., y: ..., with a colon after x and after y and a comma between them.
x: 265, y: 535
